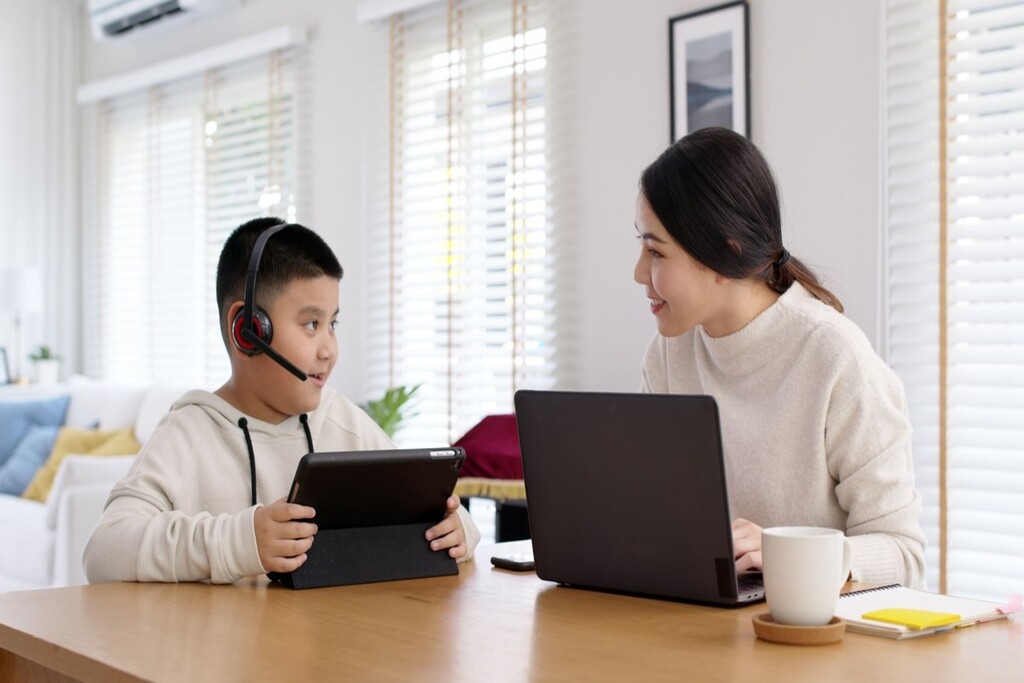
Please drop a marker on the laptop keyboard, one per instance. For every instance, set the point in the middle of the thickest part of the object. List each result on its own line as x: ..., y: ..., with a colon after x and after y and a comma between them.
x: 750, y: 581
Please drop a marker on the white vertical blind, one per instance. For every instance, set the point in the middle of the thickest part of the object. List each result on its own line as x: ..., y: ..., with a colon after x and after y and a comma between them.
x: 984, y: 283
x: 460, y: 246
x: 170, y: 171
x: 912, y: 223
x: 985, y: 162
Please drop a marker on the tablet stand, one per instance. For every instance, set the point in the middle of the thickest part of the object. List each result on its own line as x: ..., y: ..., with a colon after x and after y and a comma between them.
x: 342, y: 557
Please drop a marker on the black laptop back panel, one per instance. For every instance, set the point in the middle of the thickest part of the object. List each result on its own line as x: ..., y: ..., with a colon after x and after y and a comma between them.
x: 626, y: 492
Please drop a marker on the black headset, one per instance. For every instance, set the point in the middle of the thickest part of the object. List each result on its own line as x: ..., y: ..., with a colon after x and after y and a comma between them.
x: 251, y: 330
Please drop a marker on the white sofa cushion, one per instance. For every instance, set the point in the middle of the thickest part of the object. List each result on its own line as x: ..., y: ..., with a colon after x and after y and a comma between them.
x: 156, y: 403
x: 102, y: 405
x: 79, y: 470
x: 26, y: 549
x: 41, y: 544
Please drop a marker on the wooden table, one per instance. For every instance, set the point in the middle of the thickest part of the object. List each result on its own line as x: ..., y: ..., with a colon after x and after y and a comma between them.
x: 484, y: 625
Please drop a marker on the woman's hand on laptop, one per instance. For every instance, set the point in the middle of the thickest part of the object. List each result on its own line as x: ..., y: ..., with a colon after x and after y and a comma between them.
x: 282, y: 538
x: 746, y: 545
x: 448, y: 533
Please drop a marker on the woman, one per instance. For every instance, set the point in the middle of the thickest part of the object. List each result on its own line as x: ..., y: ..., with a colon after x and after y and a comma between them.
x: 814, y: 423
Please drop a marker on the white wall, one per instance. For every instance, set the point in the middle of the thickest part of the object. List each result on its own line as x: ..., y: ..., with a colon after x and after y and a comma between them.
x: 814, y: 108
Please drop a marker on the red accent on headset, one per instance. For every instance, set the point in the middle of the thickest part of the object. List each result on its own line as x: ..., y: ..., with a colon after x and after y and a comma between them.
x: 240, y: 339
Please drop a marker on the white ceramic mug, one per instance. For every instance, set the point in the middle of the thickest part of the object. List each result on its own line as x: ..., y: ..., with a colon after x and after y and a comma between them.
x: 804, y: 569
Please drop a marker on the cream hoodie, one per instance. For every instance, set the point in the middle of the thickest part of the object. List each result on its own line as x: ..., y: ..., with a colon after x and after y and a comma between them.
x: 184, y: 513
x: 814, y: 428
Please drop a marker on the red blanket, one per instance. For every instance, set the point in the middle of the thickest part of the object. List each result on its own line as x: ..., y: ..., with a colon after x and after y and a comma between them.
x: 492, y: 449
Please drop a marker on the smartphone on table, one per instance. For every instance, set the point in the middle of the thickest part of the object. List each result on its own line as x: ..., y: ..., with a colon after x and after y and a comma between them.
x: 517, y: 562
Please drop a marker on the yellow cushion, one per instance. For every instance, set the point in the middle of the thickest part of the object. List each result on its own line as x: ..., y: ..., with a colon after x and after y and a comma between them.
x: 79, y: 442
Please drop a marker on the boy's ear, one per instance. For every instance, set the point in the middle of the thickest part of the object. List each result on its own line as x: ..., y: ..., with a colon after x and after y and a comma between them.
x: 234, y: 310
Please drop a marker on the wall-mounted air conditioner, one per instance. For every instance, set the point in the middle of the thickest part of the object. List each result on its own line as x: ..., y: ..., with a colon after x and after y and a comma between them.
x: 112, y: 19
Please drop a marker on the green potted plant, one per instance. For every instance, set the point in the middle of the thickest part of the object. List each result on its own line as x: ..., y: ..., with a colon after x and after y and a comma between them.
x: 47, y: 365
x: 390, y: 410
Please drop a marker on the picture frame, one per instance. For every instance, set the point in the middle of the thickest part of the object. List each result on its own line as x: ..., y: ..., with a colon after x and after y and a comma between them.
x: 709, y: 69
x: 5, y: 370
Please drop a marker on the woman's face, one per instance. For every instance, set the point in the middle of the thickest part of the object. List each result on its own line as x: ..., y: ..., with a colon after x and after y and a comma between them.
x: 682, y: 291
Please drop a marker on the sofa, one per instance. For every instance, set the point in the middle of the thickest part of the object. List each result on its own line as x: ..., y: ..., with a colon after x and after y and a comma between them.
x: 41, y: 543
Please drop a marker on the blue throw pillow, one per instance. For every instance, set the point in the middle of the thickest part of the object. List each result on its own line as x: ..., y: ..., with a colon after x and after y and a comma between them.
x: 17, y: 416
x: 28, y: 456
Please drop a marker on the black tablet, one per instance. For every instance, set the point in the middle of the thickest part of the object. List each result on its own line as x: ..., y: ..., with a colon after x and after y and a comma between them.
x: 372, y: 511
x: 377, y: 488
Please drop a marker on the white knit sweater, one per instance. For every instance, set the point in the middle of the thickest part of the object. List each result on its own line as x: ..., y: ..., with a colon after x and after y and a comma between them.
x: 184, y: 513
x: 814, y: 427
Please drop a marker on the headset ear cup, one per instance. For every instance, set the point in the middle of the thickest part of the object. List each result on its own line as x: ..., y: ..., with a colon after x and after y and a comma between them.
x: 241, y: 343
x: 261, y: 325
x: 264, y: 328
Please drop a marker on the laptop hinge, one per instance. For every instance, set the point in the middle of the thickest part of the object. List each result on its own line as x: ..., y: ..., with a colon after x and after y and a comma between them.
x: 723, y: 572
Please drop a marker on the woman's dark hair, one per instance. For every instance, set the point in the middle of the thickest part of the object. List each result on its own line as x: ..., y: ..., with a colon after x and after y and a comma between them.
x: 714, y: 192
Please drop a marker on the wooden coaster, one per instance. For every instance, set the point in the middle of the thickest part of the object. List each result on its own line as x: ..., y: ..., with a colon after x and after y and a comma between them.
x: 767, y: 629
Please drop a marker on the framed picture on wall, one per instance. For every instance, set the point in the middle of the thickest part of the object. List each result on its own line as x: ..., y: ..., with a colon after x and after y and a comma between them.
x: 5, y: 371
x: 709, y: 69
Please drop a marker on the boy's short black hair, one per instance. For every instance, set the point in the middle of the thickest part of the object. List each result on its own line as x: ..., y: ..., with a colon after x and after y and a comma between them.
x: 293, y: 253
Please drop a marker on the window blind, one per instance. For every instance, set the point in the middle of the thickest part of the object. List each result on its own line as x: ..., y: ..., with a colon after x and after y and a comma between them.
x: 460, y: 247
x: 956, y: 277
x: 911, y: 244
x: 170, y: 172
x: 985, y: 283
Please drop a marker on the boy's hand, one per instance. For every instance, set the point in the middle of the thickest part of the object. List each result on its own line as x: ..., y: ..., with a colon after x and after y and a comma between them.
x: 448, y: 533
x: 746, y: 545
x: 282, y: 539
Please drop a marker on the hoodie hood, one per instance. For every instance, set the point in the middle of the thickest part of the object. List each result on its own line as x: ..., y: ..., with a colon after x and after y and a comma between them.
x: 225, y: 416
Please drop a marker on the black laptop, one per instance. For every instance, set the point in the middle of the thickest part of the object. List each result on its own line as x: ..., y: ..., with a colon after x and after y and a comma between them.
x: 627, y: 493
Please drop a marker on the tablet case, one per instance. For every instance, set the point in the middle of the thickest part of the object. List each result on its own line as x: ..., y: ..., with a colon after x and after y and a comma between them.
x: 372, y: 511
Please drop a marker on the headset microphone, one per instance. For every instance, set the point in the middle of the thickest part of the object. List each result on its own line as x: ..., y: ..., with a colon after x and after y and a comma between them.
x: 252, y: 338
x: 251, y: 330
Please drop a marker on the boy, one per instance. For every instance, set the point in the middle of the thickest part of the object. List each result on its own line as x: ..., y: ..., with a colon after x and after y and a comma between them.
x: 189, y: 508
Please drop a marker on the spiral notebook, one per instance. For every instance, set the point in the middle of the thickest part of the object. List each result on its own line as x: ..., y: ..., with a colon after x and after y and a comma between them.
x: 900, y: 612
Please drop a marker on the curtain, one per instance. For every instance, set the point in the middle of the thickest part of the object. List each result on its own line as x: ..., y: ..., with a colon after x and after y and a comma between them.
x: 40, y: 53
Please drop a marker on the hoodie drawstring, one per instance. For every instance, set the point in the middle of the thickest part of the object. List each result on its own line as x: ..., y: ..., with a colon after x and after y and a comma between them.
x: 309, y: 437
x: 244, y: 425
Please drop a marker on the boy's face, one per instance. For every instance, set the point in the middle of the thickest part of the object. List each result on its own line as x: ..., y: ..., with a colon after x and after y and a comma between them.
x: 304, y: 316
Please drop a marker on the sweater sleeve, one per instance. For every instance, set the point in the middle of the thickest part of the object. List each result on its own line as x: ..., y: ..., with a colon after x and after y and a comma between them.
x: 868, y: 444
x: 135, y: 541
x: 472, y: 533
x: 142, y: 537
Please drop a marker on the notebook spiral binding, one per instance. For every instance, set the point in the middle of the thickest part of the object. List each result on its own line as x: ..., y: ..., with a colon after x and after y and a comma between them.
x: 870, y: 590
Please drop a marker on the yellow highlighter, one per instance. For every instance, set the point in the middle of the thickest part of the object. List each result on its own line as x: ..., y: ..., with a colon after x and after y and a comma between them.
x: 912, y: 618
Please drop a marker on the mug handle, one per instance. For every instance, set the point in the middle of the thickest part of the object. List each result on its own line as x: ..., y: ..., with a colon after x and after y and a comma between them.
x: 847, y: 552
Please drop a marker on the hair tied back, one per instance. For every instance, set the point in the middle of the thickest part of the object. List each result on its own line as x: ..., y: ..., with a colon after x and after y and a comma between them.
x: 783, y: 259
